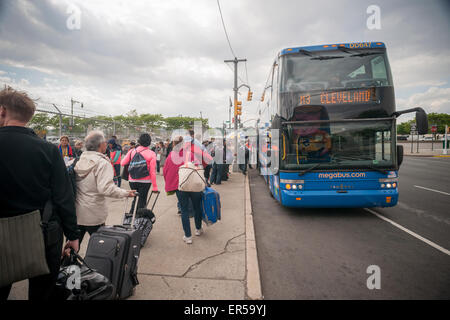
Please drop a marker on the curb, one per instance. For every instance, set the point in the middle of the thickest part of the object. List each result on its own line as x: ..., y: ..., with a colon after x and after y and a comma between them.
x: 418, y: 155
x: 253, y: 283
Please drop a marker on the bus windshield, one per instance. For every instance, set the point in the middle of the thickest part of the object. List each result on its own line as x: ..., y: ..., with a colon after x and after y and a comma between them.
x: 338, y: 145
x: 337, y: 69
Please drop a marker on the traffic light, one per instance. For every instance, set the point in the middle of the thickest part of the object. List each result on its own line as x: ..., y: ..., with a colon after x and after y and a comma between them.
x: 249, y: 96
x: 237, y: 108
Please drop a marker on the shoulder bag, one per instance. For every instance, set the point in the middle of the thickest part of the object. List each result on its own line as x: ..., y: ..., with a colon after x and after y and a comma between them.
x: 22, y: 246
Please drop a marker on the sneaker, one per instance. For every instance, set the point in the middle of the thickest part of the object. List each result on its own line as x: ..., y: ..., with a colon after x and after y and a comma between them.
x: 187, y: 240
x: 198, y: 232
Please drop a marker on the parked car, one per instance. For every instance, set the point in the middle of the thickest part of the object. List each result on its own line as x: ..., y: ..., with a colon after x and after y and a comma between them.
x: 53, y: 139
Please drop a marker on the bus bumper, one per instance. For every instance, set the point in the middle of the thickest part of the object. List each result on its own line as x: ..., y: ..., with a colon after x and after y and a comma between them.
x: 333, y: 199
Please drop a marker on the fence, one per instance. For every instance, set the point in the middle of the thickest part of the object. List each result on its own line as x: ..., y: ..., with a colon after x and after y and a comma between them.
x: 54, y: 124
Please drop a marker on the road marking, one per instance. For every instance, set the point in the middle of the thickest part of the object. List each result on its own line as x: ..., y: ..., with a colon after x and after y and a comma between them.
x: 448, y: 194
x: 430, y: 243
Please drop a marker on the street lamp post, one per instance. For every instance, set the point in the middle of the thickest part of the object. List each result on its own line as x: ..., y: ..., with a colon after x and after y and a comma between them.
x: 71, y: 109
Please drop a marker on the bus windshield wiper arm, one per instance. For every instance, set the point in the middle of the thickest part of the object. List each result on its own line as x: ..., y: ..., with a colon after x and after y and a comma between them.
x: 326, y: 57
x: 305, y: 52
x: 364, y: 54
x: 309, y: 169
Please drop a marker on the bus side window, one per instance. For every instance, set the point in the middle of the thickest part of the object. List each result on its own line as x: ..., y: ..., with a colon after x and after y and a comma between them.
x: 378, y: 68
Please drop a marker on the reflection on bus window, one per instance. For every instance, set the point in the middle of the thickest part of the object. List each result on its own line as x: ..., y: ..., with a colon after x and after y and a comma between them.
x: 348, y: 145
x: 312, y: 142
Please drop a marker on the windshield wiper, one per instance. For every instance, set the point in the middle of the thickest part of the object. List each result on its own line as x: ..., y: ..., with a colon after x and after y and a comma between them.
x: 305, y: 52
x: 326, y: 57
x: 368, y: 166
x: 309, y: 169
x: 364, y: 54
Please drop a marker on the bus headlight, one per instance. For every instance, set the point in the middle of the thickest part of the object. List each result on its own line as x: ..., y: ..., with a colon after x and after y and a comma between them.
x: 383, y: 185
x: 294, y: 186
x: 394, y: 185
x: 288, y: 186
x: 388, y: 185
x: 300, y: 186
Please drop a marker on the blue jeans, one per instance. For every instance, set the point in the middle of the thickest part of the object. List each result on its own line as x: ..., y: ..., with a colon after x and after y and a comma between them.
x: 216, y: 176
x: 196, y: 198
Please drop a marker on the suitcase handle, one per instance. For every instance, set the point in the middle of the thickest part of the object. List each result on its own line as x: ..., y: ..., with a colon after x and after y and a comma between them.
x: 73, y: 252
x: 156, y: 199
x: 120, y: 226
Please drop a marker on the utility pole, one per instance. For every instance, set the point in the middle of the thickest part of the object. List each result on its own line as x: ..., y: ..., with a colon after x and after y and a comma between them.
x: 229, y: 114
x: 235, y: 89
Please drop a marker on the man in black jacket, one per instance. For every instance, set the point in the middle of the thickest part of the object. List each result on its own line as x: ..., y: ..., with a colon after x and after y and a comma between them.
x: 32, y: 171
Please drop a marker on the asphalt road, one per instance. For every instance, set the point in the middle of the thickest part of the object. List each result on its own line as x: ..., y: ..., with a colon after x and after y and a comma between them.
x: 325, y: 253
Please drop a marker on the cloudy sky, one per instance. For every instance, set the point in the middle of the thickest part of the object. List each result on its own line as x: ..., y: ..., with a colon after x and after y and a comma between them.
x: 166, y: 56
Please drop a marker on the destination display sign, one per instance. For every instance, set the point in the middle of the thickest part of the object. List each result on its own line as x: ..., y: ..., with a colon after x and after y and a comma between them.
x: 339, y: 97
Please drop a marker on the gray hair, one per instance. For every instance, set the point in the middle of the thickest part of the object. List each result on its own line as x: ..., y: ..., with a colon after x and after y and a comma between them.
x: 93, y: 140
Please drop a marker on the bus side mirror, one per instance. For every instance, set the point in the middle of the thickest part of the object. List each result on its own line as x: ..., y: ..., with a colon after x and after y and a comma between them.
x: 399, y: 155
x: 421, y: 119
x: 422, y: 122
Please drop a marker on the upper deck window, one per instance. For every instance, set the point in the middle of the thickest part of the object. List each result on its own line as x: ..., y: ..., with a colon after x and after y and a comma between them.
x: 337, y: 69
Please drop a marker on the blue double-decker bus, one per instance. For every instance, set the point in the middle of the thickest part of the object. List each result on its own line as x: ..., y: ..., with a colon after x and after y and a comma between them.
x: 331, y: 138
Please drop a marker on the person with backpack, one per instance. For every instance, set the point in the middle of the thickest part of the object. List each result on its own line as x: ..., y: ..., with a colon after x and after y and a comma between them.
x: 186, y: 153
x: 94, y: 182
x: 114, y: 152
x: 141, y: 169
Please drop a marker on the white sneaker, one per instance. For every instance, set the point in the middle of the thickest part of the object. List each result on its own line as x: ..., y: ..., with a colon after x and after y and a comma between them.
x: 187, y: 240
x: 198, y: 232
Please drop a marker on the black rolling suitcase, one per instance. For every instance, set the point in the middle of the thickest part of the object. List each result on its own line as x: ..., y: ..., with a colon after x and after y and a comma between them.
x: 145, y: 218
x: 114, y: 252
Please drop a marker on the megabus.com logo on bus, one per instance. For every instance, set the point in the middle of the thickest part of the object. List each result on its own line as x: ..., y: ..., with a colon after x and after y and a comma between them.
x: 342, y: 175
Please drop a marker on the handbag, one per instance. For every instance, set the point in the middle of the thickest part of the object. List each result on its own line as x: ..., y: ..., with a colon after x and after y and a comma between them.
x: 92, y: 284
x: 125, y: 172
x: 22, y: 246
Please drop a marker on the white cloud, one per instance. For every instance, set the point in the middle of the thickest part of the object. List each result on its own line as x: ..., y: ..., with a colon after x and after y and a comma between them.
x: 420, y: 70
x: 167, y: 56
x: 433, y: 100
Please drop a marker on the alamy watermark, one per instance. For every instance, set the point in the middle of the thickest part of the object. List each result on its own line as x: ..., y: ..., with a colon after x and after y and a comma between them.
x: 374, y: 20
x: 73, y: 22
x: 374, y: 280
x: 74, y: 280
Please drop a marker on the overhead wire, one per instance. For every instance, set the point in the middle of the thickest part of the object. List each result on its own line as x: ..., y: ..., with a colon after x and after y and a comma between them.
x: 225, y: 30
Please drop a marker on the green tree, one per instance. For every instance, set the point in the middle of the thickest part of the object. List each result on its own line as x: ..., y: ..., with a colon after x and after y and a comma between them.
x: 439, y: 119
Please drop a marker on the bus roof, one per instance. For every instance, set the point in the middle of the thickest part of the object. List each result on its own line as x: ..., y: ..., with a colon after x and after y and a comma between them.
x: 352, y: 45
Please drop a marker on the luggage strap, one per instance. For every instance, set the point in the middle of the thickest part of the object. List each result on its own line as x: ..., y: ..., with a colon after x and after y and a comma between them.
x: 72, y: 252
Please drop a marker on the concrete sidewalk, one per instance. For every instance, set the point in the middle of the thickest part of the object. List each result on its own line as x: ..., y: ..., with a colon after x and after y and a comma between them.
x: 215, y: 266
x: 424, y: 149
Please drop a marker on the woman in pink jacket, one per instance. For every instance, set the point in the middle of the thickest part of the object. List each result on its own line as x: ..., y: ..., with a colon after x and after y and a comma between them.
x: 142, y: 185
x: 175, y: 159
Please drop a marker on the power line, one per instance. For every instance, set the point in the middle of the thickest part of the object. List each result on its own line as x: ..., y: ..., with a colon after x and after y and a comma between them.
x: 264, y: 90
x: 225, y: 29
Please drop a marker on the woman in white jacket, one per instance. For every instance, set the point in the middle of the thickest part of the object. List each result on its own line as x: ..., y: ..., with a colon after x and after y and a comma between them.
x: 94, y: 176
